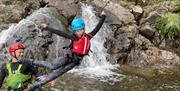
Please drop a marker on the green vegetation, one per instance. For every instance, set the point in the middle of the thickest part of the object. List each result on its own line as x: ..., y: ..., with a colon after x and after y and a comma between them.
x: 19, y: 5
x: 168, y: 25
x: 177, y: 10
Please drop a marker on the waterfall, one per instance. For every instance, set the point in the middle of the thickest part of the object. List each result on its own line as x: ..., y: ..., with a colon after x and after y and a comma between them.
x: 98, y: 55
x: 95, y: 65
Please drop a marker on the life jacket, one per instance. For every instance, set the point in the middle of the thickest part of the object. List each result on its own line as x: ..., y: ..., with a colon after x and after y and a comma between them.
x: 82, y: 46
x: 16, y: 80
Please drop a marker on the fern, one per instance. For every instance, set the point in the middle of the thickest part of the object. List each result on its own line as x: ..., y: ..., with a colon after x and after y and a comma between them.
x: 168, y: 25
x: 177, y: 10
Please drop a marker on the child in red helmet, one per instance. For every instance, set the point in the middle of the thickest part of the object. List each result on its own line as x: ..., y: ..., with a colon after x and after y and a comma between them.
x: 80, y: 47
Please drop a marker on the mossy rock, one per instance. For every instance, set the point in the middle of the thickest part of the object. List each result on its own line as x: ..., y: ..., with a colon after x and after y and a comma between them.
x: 10, y: 18
x: 19, y: 5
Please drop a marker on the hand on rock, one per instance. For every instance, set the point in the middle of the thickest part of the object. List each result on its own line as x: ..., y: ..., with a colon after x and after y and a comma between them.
x: 44, y: 25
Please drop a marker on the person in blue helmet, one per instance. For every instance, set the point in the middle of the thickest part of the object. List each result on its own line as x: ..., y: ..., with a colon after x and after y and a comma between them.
x: 79, y: 47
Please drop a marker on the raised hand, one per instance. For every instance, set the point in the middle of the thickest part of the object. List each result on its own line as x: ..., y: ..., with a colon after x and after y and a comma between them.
x: 103, y: 13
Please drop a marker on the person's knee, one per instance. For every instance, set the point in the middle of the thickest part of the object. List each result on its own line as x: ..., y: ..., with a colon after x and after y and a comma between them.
x: 53, y: 66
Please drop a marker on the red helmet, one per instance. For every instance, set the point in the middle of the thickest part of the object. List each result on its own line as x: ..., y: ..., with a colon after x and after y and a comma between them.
x: 14, y: 47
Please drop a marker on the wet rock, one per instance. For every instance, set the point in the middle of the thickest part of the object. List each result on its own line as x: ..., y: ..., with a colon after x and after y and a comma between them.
x: 141, y: 45
x: 12, y: 11
x: 4, y: 26
x: 120, y: 45
x: 144, y: 53
x: 152, y: 56
x: 116, y: 13
x: 67, y: 7
x: 9, y: 14
x: 147, y: 25
x: 147, y: 31
x: 37, y: 41
x: 141, y: 41
x: 43, y: 3
x: 171, y: 45
x: 152, y: 12
x: 137, y: 11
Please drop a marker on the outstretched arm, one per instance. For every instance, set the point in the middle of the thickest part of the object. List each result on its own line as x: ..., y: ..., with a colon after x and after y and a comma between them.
x: 61, y: 33
x: 58, y: 62
x: 99, y: 25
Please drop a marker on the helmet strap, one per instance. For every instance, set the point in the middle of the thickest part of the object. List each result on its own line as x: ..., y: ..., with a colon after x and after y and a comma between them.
x: 15, y: 56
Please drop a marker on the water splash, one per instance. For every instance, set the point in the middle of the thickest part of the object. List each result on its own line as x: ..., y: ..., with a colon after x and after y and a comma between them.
x: 95, y: 65
x: 4, y: 36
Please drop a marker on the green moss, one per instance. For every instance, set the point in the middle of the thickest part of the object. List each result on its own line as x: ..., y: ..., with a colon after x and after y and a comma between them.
x: 131, y: 22
x: 6, y: 18
x: 9, y: 18
x: 19, y: 5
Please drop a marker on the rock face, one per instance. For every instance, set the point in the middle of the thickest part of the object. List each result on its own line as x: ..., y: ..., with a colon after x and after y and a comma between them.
x: 153, y: 56
x: 116, y: 13
x: 120, y: 45
x: 37, y: 42
x: 138, y: 47
x: 133, y: 39
x: 14, y: 11
x: 68, y: 7
x: 151, y: 13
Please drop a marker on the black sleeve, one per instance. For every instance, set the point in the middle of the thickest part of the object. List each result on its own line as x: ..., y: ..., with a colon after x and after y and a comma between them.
x: 99, y: 25
x: 61, y: 33
x: 33, y: 70
x: 2, y: 74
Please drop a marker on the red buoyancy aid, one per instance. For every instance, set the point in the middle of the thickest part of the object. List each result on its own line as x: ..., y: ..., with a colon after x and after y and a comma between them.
x: 82, y: 46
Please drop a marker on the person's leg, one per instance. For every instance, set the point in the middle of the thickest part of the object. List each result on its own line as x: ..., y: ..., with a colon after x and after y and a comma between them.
x: 56, y: 73
x: 58, y: 62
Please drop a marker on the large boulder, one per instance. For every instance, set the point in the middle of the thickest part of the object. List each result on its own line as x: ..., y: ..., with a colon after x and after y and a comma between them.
x: 67, y: 7
x: 37, y: 42
x: 120, y: 45
x: 153, y: 56
x: 116, y: 13
x: 12, y: 11
x: 152, y: 12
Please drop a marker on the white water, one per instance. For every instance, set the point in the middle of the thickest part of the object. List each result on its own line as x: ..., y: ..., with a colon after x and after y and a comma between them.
x: 4, y: 36
x: 95, y: 65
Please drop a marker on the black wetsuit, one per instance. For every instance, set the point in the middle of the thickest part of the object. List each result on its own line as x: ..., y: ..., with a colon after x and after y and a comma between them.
x: 26, y: 69
x: 62, y: 64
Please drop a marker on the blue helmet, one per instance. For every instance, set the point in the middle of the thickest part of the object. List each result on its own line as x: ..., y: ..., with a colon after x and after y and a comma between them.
x: 77, y: 24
